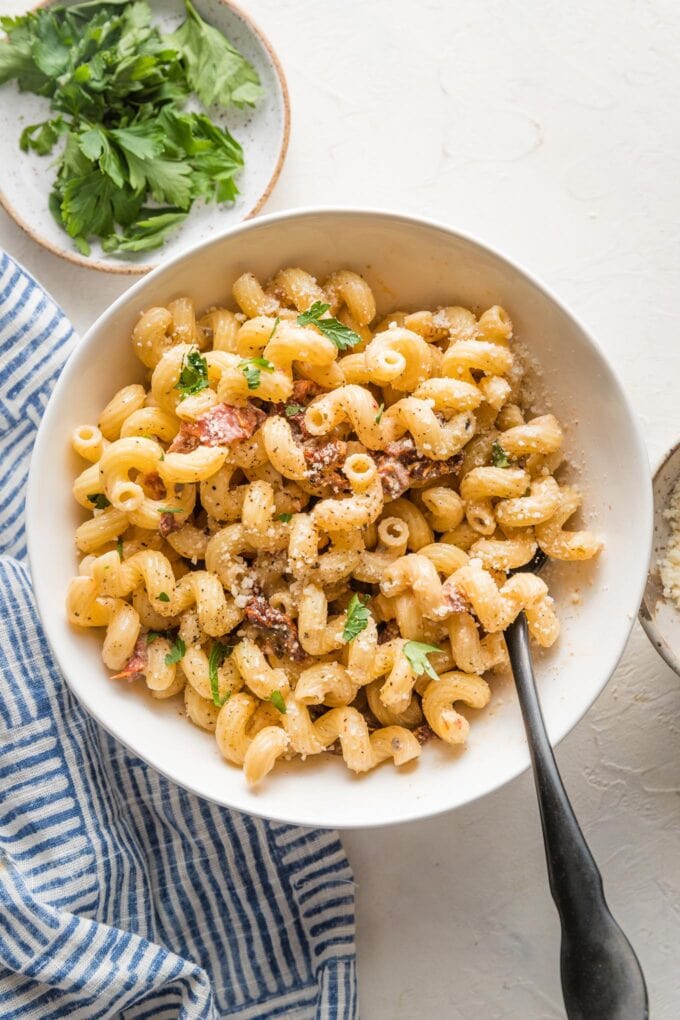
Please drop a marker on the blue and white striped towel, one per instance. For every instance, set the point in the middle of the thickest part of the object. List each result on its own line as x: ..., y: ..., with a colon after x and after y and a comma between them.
x: 120, y: 894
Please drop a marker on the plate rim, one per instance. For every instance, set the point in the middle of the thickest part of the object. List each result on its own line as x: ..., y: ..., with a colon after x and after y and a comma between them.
x: 415, y: 812
x: 139, y: 268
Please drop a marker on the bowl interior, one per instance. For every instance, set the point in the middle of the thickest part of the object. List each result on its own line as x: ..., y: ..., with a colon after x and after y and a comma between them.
x: 410, y: 264
x: 262, y: 131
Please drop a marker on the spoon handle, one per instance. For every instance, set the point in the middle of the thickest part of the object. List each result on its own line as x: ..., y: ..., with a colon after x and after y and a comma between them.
x: 601, y: 976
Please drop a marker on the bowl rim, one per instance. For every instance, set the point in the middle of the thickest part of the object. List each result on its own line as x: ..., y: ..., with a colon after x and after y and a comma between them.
x: 142, y: 268
x: 413, y: 812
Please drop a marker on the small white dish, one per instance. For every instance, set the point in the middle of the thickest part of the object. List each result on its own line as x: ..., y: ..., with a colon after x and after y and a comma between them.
x: 659, y: 616
x: 263, y: 133
x: 410, y: 263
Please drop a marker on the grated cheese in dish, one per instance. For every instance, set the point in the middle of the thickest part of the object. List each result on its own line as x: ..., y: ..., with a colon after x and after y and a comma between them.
x: 670, y: 564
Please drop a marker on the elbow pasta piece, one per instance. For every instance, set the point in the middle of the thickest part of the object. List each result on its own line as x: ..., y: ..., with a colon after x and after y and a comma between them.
x: 440, y: 697
x: 411, y: 716
x: 526, y: 511
x: 327, y: 683
x: 151, y: 337
x: 464, y: 357
x: 361, y: 751
x: 496, y: 608
x: 516, y: 549
x: 445, y: 506
x: 126, y: 402
x: 265, y: 749
x: 567, y: 545
x: 312, y: 507
x: 318, y: 633
x: 433, y: 439
x: 473, y: 654
x: 88, y: 442
x: 353, y: 404
x: 419, y: 531
x: 351, y: 290
x: 362, y: 507
x: 251, y: 298
x: 540, y: 435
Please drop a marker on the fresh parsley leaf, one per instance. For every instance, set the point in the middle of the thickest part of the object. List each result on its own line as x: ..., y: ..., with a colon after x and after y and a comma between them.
x: 252, y: 367
x: 357, y: 618
x: 277, y: 320
x: 292, y: 409
x: 42, y: 137
x: 194, y: 375
x: 163, y: 596
x: 379, y: 414
x: 416, y: 652
x: 285, y: 518
x: 342, y: 336
x: 147, y: 233
x: 499, y: 457
x: 176, y: 652
x: 218, y: 653
x: 216, y: 71
x: 98, y: 500
x: 277, y: 701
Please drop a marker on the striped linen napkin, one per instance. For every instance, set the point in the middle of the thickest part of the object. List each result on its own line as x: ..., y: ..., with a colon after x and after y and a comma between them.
x: 121, y: 895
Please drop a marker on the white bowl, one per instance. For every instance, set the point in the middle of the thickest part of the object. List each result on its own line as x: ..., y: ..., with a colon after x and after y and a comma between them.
x: 410, y: 263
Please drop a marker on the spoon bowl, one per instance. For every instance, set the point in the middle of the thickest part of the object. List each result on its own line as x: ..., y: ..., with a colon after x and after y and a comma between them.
x: 659, y: 616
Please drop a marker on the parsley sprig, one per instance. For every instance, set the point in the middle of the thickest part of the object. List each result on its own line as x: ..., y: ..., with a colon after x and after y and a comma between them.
x: 276, y: 698
x: 342, y: 336
x: 117, y: 88
x: 357, y: 618
x: 252, y: 367
x: 416, y: 652
x: 218, y: 653
x: 98, y: 500
x: 499, y: 457
x: 176, y: 653
x: 194, y: 375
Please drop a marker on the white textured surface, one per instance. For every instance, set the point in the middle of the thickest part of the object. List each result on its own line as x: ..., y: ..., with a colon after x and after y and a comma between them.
x: 549, y: 130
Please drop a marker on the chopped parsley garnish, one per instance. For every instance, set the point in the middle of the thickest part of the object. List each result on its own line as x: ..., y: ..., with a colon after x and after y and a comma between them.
x: 277, y: 701
x: 284, y: 518
x: 176, y: 652
x: 218, y: 653
x: 416, y: 652
x: 357, y: 617
x: 379, y: 414
x: 292, y: 409
x: 499, y: 457
x: 119, y: 548
x: 342, y: 336
x: 277, y: 320
x: 172, y: 510
x: 194, y: 375
x: 163, y: 596
x: 153, y: 635
x: 134, y: 159
x: 252, y: 367
x: 98, y: 500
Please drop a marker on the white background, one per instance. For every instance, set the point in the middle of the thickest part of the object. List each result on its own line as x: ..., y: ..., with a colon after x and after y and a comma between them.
x: 549, y: 130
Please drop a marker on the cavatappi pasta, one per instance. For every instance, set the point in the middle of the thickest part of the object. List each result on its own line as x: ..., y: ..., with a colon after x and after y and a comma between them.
x: 305, y: 520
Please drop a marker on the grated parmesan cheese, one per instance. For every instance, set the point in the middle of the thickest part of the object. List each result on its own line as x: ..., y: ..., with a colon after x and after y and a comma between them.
x: 670, y: 564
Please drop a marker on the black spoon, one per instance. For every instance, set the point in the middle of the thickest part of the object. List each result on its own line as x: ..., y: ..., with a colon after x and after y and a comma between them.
x: 601, y: 975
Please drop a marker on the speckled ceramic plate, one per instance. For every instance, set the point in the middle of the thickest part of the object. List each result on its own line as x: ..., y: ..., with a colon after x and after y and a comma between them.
x: 26, y: 178
x: 659, y: 616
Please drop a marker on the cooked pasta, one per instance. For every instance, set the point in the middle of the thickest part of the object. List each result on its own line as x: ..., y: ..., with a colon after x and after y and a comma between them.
x: 305, y: 520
